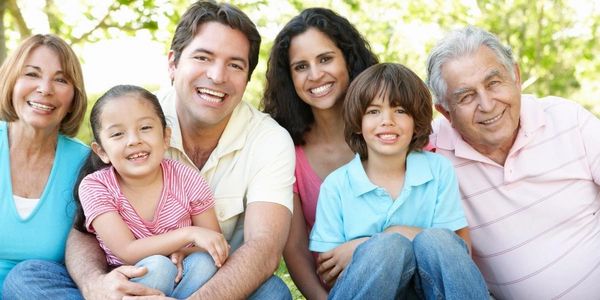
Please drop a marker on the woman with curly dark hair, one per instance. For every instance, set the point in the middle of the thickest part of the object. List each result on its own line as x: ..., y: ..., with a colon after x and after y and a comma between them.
x: 314, y: 58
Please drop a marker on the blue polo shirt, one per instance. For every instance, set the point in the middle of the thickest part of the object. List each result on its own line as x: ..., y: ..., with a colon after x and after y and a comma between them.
x: 350, y: 206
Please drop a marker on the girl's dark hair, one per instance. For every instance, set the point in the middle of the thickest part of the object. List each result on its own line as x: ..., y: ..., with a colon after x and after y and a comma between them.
x: 280, y: 99
x: 401, y: 87
x: 93, y: 162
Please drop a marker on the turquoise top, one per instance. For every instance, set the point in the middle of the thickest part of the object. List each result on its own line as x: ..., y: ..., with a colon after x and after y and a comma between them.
x: 43, y: 234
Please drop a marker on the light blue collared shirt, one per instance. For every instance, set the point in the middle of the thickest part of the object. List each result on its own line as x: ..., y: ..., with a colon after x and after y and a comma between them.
x: 350, y: 206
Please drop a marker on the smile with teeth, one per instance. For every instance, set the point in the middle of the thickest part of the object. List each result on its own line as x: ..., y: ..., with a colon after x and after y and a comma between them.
x: 492, y: 120
x: 41, y: 106
x: 139, y: 155
x: 210, y: 95
x: 387, y: 136
x: 321, y: 89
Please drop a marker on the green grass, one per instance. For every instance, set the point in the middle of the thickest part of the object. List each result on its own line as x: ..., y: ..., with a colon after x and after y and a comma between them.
x: 282, y: 272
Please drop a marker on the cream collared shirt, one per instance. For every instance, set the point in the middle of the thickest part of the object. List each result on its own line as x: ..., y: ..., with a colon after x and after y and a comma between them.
x: 253, y: 161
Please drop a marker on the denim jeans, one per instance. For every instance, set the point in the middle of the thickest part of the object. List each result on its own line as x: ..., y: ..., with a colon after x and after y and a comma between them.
x: 40, y: 279
x: 198, y: 268
x: 435, y: 265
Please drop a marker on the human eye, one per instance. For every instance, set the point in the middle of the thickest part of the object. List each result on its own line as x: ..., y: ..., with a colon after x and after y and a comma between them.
x: 465, y: 99
x: 116, y: 134
x: 61, y: 80
x: 372, y: 111
x: 31, y: 74
x: 201, y: 58
x: 300, y: 67
x: 146, y: 127
x: 325, y: 59
x: 237, y: 66
x: 399, y: 110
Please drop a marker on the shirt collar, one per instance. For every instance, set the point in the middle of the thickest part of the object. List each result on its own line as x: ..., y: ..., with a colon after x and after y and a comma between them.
x: 418, y: 172
x: 233, y: 137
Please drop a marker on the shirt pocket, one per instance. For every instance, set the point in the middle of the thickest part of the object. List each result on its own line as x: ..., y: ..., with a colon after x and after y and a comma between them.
x: 228, y: 206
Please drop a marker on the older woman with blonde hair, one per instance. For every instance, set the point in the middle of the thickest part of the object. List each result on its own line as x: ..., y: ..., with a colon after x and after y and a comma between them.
x: 42, y: 105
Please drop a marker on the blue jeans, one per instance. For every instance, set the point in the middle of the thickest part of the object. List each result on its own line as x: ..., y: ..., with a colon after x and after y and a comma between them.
x: 435, y: 265
x: 40, y: 279
x: 198, y: 268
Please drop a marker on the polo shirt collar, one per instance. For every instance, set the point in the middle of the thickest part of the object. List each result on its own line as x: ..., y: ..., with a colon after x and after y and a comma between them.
x: 418, y: 172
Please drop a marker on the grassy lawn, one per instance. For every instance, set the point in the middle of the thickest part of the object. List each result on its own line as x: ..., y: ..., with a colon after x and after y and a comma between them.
x: 282, y: 272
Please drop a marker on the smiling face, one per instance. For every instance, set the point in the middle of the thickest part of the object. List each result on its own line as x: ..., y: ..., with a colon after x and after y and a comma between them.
x: 42, y: 95
x: 484, y: 101
x: 387, y: 130
x: 318, y: 69
x: 134, y: 144
x: 210, y: 76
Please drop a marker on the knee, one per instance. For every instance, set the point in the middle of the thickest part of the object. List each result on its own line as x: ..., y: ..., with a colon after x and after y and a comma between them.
x: 273, y: 288
x: 159, y: 267
x: 389, y: 248
x: 199, y: 262
x: 437, y: 240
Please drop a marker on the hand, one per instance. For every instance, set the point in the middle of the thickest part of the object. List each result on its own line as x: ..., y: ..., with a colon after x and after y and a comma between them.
x: 333, y: 262
x: 177, y: 258
x: 213, y: 242
x: 116, y: 284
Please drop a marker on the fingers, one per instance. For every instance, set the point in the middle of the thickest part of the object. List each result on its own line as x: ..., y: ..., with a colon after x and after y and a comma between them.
x: 325, y: 256
x: 177, y: 259
x: 325, y: 266
x: 130, y: 271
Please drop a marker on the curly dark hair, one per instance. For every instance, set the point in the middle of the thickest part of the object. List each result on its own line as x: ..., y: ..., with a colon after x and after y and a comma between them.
x: 402, y: 87
x: 280, y: 99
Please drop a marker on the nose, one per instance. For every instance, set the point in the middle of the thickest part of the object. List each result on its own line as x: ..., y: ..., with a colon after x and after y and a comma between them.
x: 216, y: 73
x: 387, y: 118
x: 486, y: 101
x: 315, y: 73
x: 133, y: 138
x: 45, y: 87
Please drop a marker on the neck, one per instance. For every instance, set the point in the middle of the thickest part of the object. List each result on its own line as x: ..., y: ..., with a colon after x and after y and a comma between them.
x: 385, y: 167
x: 199, y: 141
x: 328, y: 125
x: 31, y: 141
x: 496, y: 153
x: 141, y: 183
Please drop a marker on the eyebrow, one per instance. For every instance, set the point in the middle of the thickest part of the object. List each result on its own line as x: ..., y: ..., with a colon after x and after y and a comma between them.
x: 40, y: 69
x: 318, y: 56
x: 493, y: 73
x: 235, y: 58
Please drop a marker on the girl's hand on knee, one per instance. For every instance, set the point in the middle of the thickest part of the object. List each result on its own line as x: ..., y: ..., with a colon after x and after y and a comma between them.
x: 214, y: 243
x: 177, y: 259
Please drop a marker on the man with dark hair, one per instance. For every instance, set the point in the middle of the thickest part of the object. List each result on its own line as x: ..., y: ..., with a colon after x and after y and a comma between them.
x: 528, y: 171
x: 244, y: 155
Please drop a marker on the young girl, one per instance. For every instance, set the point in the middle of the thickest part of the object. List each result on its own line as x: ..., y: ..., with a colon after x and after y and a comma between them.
x: 144, y: 208
x: 399, y: 204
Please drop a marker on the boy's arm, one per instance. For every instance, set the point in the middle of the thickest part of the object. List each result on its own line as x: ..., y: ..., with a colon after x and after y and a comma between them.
x: 86, y: 264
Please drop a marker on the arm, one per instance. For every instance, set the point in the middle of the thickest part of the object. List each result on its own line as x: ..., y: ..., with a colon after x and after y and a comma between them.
x: 464, y: 234
x: 298, y: 258
x: 266, y: 227
x: 87, y: 267
x: 117, y: 236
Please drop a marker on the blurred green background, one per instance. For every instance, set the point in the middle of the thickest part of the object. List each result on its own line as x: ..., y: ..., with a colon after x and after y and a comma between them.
x: 555, y: 42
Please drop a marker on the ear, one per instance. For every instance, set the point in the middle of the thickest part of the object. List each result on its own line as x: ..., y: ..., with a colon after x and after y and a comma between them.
x: 517, y: 74
x: 444, y: 112
x: 167, y: 137
x: 100, y: 152
x: 172, y: 65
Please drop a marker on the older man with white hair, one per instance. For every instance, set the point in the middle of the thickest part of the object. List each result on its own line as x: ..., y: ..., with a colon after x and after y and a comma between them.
x: 528, y: 170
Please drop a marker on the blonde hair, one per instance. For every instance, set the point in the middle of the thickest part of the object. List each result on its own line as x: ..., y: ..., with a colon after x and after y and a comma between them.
x: 13, y: 67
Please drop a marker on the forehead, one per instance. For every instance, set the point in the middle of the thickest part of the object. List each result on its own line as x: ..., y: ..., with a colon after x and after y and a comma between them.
x: 221, y: 40
x: 44, y: 57
x: 312, y: 42
x: 472, y: 68
x: 135, y: 107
